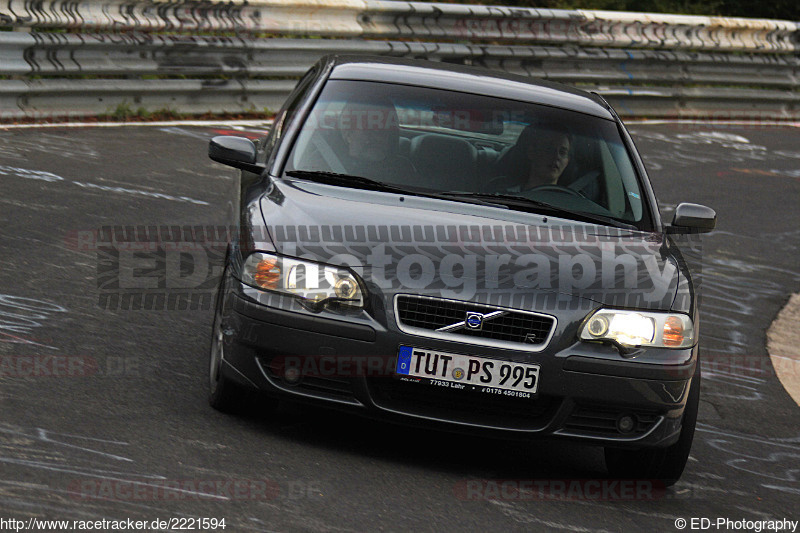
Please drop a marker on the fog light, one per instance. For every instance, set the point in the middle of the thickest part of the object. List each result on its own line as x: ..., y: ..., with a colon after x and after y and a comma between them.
x: 292, y: 375
x: 625, y: 424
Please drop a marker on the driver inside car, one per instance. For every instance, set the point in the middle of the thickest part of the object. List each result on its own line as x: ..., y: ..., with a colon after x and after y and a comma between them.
x: 548, y: 156
x: 371, y: 135
x: 539, y: 158
x: 362, y: 139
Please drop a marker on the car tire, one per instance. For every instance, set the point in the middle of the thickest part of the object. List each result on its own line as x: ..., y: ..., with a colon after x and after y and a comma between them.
x: 223, y: 394
x: 663, y: 464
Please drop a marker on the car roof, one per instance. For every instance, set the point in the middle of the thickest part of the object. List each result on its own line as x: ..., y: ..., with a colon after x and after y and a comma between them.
x: 435, y: 74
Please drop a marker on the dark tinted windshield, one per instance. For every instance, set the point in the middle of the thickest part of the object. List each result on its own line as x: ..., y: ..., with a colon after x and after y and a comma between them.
x: 442, y: 141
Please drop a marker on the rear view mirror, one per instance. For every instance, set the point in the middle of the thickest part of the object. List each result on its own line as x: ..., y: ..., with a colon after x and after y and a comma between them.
x: 693, y: 218
x: 236, y: 152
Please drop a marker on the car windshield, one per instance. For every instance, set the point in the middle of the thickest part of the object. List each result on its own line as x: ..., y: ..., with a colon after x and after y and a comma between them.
x: 465, y: 145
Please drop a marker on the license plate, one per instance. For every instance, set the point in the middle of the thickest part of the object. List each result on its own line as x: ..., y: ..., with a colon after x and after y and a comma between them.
x: 468, y: 372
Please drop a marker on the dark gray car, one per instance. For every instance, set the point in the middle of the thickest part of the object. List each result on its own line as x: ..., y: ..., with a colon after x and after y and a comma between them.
x: 439, y: 245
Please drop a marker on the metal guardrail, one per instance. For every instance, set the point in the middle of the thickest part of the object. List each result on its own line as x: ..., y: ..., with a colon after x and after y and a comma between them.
x: 394, y: 19
x: 196, y: 57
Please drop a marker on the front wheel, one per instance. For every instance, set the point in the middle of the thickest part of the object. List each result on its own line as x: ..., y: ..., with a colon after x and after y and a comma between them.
x: 664, y: 464
x: 223, y: 394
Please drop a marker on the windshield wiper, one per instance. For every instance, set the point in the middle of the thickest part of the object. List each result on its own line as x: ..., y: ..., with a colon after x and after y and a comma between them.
x: 529, y: 204
x: 334, y: 178
x: 358, y: 182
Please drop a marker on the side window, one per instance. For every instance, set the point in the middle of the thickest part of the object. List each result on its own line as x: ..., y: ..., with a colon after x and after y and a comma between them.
x: 622, y: 188
x: 290, y: 109
x: 288, y: 112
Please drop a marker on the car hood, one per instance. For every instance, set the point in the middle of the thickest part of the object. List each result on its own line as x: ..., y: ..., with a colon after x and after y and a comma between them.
x: 408, y: 244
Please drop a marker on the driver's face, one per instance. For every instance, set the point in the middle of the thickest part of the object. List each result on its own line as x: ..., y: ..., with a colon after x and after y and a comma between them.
x: 367, y: 145
x: 367, y: 130
x: 549, y: 155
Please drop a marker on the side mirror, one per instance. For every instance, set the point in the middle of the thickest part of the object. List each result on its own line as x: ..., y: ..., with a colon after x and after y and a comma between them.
x: 236, y: 152
x: 693, y: 218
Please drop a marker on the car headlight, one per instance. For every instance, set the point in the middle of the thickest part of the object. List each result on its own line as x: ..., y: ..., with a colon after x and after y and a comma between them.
x: 633, y: 329
x: 316, y: 285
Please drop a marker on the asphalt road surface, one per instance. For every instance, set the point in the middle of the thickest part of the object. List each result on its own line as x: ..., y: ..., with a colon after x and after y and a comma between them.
x: 103, y: 410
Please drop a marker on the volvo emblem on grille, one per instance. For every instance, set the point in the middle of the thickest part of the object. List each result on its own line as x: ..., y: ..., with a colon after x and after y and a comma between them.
x: 474, y: 320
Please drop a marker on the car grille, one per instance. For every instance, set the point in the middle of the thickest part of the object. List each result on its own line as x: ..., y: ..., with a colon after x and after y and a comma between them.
x: 464, y: 406
x: 602, y: 422
x: 500, y: 327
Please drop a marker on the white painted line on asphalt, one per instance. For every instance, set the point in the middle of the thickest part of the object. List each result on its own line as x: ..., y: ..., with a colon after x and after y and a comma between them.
x: 50, y: 177
x: 765, y: 440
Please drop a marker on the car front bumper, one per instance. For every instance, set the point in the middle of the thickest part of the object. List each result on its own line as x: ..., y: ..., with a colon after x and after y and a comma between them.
x: 350, y: 366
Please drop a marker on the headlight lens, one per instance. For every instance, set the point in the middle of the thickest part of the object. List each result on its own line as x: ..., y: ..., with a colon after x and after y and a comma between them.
x: 315, y: 284
x: 632, y: 329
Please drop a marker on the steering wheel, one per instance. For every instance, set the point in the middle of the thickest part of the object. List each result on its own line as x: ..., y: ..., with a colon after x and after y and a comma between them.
x: 499, y: 184
x: 555, y: 188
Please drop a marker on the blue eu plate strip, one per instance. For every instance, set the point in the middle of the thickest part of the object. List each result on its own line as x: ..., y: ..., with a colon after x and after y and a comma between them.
x: 404, y: 360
